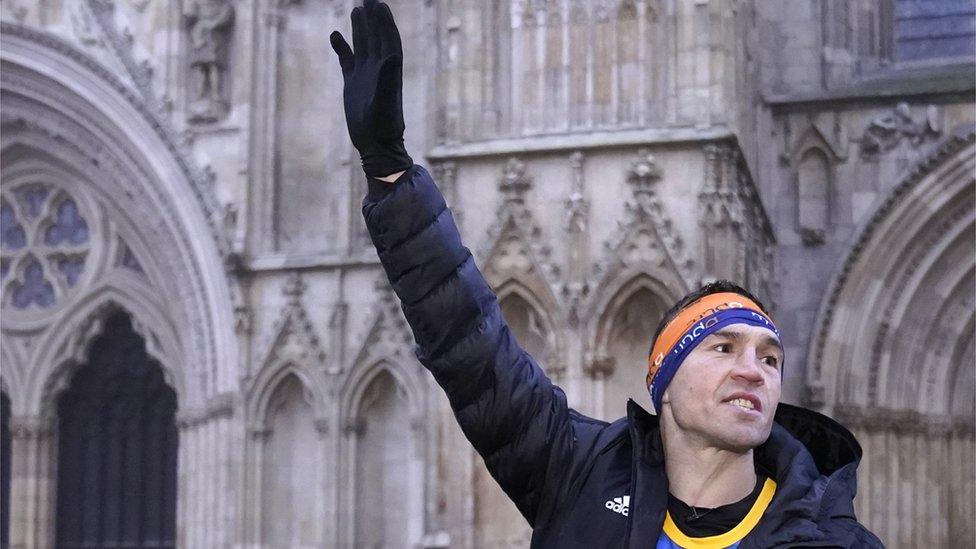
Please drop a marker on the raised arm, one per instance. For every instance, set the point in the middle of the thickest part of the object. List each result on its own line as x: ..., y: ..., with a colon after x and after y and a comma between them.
x: 507, y: 407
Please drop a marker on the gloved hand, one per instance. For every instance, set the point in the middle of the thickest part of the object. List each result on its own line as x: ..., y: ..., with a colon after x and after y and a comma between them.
x: 372, y: 94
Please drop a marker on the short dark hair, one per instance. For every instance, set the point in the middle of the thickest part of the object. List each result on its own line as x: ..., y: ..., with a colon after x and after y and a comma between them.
x: 718, y: 286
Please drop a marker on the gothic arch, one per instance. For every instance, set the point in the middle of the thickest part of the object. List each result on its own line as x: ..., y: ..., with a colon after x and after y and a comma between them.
x: 609, y: 304
x: 552, y: 361
x: 60, y: 101
x: 905, y: 267
x: 269, y: 457
x: 354, y: 388
x: 355, y: 396
x: 893, y: 355
x: 812, y: 159
x: 64, y: 346
x: 266, y: 383
x: 608, y: 301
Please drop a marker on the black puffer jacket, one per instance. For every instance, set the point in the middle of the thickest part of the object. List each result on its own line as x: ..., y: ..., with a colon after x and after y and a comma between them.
x: 558, y: 466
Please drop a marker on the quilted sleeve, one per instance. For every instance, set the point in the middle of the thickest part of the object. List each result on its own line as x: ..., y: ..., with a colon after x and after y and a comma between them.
x: 505, y: 404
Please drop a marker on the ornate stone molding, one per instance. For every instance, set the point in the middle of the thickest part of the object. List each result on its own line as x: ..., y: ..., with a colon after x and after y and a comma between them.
x: 389, y: 335
x: 221, y: 405
x: 576, y: 287
x: 904, y: 421
x: 295, y: 338
x: 886, y: 132
x: 732, y: 214
x: 952, y: 145
x: 514, y: 246
x: 645, y: 236
x: 146, y: 106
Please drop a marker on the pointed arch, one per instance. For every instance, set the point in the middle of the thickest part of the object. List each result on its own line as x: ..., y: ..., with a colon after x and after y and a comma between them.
x: 63, y: 347
x: 895, y: 262
x: 628, y: 63
x: 604, y: 61
x: 619, y: 339
x: 580, y: 55
x: 814, y: 190
x: 383, y: 424
x: 892, y: 355
x: 263, y: 386
x: 533, y: 324
x: 292, y: 492
x: 118, y: 403
x: 59, y: 100
x: 812, y: 158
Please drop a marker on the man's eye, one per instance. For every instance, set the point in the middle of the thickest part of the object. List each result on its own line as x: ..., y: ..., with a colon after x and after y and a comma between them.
x: 772, y: 361
x: 723, y: 347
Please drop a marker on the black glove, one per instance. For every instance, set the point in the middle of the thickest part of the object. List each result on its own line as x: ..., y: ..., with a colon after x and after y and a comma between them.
x: 372, y: 93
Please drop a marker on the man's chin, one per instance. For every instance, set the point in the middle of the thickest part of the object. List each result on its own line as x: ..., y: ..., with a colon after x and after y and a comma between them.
x: 742, y: 441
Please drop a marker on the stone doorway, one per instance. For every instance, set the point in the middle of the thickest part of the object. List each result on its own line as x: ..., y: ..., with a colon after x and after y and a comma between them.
x: 117, y: 448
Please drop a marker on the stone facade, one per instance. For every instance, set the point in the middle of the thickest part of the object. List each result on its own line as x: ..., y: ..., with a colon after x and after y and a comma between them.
x: 186, y: 162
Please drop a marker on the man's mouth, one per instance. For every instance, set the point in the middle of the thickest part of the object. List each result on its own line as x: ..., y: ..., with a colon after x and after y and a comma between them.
x: 745, y: 401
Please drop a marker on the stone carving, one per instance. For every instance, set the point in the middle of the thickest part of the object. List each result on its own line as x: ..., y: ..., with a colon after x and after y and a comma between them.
x: 886, y: 132
x: 514, y: 247
x: 210, y: 23
x: 577, y: 216
x: 294, y: 335
x: 738, y: 240
x: 577, y: 207
x: 645, y: 239
x: 817, y: 362
x: 44, y: 245
x: 389, y: 336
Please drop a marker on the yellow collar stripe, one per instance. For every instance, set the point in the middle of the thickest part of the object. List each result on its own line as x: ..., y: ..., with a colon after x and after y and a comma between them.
x: 724, y: 540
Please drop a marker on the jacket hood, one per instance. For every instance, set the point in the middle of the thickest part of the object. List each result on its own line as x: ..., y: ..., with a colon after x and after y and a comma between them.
x: 830, y: 444
x: 813, y: 460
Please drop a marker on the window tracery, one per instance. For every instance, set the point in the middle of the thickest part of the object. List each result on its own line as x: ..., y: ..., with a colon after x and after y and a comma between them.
x: 45, y: 241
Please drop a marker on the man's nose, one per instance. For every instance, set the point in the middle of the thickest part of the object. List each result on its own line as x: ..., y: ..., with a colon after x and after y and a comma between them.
x: 747, y: 366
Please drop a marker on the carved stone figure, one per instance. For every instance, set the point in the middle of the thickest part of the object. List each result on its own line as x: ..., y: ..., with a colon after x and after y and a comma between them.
x: 886, y: 132
x: 209, y: 23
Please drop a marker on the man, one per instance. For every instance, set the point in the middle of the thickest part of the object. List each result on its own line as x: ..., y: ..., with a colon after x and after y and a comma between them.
x: 723, y: 464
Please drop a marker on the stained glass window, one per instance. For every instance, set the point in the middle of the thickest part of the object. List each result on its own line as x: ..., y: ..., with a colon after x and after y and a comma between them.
x: 44, y: 240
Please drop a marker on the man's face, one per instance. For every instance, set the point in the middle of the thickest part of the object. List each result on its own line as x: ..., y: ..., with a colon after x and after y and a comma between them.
x: 725, y: 393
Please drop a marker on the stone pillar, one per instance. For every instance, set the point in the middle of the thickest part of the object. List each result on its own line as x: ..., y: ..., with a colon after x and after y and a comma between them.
x: 33, y: 482
x: 206, y: 499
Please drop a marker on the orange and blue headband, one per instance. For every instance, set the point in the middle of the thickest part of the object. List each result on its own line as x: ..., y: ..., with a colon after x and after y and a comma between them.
x: 692, y: 325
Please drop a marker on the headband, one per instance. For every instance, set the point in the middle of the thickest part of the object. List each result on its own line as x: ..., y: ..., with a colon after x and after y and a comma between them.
x: 689, y: 327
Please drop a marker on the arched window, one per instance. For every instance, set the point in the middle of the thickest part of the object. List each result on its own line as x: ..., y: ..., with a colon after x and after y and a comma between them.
x: 603, y: 60
x: 628, y: 63
x: 529, y: 97
x: 117, y: 445
x: 813, y: 195
x: 497, y: 522
x: 555, y: 97
x: 388, y: 494
x: 291, y: 514
x: 629, y: 342
x: 579, y: 50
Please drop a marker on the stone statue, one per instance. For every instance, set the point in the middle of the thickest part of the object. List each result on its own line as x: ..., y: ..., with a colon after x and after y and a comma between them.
x: 886, y: 132
x: 209, y: 23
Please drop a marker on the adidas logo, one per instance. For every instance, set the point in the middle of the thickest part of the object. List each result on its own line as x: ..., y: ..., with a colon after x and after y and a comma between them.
x: 619, y: 505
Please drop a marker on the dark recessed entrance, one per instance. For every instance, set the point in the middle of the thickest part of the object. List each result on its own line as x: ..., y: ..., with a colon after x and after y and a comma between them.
x: 117, y: 444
